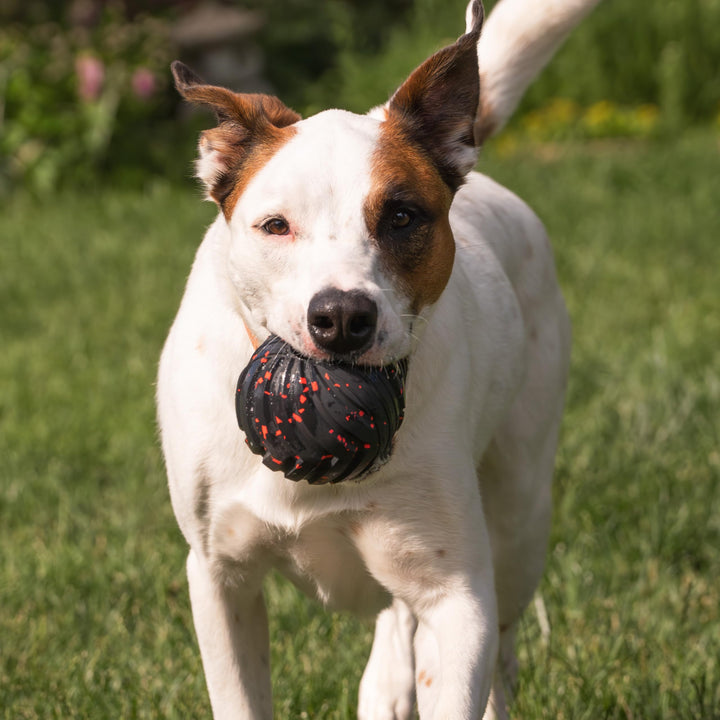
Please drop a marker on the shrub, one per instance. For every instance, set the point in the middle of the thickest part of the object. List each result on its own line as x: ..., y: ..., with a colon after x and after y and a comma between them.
x: 631, y: 55
x: 65, y: 89
x: 561, y: 119
x: 86, y: 97
x: 306, y: 41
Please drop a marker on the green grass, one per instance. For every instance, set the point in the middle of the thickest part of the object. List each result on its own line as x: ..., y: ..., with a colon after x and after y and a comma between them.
x: 94, y: 614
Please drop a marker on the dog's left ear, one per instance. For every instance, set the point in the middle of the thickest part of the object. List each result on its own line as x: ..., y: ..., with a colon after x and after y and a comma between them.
x: 437, y: 105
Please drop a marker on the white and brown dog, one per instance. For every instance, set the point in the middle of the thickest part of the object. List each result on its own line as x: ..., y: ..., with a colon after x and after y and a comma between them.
x: 378, y: 220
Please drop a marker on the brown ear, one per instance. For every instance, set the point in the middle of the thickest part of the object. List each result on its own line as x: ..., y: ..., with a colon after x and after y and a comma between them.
x: 246, y: 123
x: 437, y: 105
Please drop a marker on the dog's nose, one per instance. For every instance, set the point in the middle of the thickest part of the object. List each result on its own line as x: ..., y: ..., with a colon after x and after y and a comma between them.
x: 342, y: 323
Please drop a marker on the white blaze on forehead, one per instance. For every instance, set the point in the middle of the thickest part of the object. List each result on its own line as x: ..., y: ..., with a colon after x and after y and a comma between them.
x: 318, y: 179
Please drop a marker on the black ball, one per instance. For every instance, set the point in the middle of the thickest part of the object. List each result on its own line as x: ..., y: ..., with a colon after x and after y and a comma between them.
x: 315, y: 420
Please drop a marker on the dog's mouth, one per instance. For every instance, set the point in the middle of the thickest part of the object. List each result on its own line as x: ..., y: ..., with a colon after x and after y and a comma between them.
x: 324, y: 421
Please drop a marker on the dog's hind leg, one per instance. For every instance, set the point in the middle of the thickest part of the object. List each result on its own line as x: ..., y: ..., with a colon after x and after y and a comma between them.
x: 387, y: 688
x: 232, y: 629
x: 505, y: 677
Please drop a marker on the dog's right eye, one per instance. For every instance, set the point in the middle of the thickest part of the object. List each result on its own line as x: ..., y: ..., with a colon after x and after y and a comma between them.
x: 276, y: 226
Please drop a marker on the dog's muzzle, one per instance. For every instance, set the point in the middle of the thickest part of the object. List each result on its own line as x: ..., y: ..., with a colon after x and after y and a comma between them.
x: 319, y: 421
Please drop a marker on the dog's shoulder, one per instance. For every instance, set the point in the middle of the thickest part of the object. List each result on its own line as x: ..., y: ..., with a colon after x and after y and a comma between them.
x: 487, y: 218
x: 486, y: 211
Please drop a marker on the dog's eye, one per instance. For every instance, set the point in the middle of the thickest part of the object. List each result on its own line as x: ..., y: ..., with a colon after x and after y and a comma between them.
x: 401, y: 219
x: 276, y: 226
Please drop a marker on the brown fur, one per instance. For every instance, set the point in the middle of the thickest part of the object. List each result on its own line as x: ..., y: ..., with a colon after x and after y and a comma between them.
x: 403, y: 176
x: 418, y: 164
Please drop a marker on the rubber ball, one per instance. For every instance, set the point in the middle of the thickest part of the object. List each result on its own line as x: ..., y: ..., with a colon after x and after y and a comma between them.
x: 318, y: 421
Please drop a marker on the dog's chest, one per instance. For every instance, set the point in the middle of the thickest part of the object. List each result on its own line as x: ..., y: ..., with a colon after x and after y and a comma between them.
x: 321, y: 558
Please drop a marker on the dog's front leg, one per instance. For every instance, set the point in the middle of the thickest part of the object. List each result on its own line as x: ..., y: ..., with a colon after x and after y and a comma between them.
x: 435, y: 556
x: 232, y: 629
x: 455, y: 656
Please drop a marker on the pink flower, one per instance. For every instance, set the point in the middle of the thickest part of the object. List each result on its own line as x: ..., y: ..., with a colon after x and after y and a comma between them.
x: 90, y: 74
x: 143, y: 83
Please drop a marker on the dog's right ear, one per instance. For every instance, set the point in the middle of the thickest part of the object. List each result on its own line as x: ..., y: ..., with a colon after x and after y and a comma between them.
x: 437, y: 105
x: 246, y: 124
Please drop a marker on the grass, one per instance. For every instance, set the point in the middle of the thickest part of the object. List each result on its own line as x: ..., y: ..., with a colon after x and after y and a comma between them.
x: 94, y: 613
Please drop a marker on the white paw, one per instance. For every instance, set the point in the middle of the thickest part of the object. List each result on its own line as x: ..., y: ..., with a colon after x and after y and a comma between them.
x: 383, y: 704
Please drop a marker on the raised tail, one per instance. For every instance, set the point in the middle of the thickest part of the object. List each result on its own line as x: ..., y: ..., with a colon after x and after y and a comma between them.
x: 517, y: 41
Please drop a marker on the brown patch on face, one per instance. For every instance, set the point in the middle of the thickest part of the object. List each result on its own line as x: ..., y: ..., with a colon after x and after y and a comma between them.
x: 405, y: 180
x: 425, y: 149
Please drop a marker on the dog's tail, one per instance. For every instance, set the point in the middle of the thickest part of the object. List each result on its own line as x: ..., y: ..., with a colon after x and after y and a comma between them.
x: 517, y: 41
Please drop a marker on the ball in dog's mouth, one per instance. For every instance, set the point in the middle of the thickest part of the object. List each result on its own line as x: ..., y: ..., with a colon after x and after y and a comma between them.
x: 315, y: 420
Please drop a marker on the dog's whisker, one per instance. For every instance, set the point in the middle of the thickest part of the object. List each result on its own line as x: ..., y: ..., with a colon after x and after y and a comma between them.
x: 415, y: 318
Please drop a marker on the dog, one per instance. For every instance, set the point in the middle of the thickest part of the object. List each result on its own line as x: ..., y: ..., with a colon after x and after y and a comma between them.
x: 379, y: 221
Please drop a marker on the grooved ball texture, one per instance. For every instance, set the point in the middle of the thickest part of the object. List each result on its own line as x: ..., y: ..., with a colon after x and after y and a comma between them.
x: 315, y: 420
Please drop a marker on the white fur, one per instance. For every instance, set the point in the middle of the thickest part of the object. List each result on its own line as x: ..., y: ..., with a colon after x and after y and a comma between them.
x: 453, y: 529
x: 209, y: 165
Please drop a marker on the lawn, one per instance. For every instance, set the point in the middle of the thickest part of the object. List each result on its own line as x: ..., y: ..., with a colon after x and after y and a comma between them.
x: 94, y: 613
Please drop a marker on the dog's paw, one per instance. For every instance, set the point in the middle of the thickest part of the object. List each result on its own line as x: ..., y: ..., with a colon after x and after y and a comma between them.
x: 378, y: 706
x: 387, y: 688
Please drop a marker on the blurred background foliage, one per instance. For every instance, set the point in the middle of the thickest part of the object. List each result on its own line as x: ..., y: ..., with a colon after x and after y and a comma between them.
x: 85, y: 92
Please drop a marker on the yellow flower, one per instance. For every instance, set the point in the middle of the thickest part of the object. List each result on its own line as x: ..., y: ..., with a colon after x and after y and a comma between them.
x: 646, y: 118
x: 599, y: 115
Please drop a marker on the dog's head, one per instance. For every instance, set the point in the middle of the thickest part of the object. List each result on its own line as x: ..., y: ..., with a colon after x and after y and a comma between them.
x: 339, y: 224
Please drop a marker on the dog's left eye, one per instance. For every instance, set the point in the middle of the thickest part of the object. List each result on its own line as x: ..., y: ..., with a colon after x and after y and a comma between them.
x: 402, y: 219
x: 276, y: 226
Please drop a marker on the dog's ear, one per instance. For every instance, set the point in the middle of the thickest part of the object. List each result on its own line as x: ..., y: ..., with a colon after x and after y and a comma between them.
x: 437, y: 105
x: 246, y: 122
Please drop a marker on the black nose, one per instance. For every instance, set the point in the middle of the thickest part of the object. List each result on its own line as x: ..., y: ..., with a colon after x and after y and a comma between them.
x: 342, y: 323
